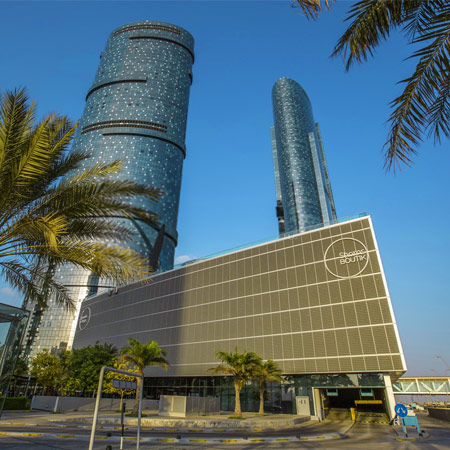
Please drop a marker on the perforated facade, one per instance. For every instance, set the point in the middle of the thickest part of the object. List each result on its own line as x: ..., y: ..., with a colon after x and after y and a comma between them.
x: 136, y: 111
x: 301, y: 176
x: 316, y: 303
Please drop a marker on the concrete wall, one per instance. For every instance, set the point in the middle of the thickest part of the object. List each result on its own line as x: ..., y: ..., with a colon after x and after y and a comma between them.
x: 64, y: 404
x: 180, y: 406
x: 440, y: 413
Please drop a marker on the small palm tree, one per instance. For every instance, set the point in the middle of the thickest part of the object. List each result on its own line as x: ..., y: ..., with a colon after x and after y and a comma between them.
x: 53, y: 212
x: 241, y: 367
x: 423, y: 106
x: 142, y: 356
x: 265, y: 373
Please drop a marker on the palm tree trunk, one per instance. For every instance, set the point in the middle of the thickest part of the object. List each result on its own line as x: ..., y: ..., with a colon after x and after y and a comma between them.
x: 261, y: 400
x: 237, y: 403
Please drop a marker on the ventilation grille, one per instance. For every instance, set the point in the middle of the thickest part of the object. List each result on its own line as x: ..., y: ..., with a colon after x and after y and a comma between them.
x: 125, y: 123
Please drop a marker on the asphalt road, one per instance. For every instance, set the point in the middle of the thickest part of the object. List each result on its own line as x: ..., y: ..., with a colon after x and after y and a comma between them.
x: 360, y: 436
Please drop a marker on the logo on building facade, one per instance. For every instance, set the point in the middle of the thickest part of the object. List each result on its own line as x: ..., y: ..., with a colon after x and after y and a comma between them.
x: 346, y: 258
x: 85, y: 317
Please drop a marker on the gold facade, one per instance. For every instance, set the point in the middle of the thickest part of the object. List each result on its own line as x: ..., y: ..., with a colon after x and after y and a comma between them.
x: 316, y: 302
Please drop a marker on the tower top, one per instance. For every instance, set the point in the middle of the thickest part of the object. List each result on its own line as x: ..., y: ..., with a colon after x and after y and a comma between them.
x: 157, y: 29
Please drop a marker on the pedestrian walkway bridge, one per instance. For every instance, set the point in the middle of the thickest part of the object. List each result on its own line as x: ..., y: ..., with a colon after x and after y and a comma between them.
x: 422, y: 389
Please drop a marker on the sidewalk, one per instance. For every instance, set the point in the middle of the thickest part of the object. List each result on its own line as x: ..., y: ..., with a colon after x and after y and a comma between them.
x: 152, y: 420
x: 269, y: 428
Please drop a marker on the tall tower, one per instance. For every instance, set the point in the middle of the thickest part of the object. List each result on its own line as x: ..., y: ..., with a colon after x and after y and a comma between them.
x: 136, y: 111
x: 304, y: 196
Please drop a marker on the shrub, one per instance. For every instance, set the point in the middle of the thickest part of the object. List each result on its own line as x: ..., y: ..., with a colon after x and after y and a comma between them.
x: 15, y: 403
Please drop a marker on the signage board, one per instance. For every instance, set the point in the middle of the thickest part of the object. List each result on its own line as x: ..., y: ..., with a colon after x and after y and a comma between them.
x: 121, y: 384
x: 346, y: 257
x: 85, y: 317
x: 401, y: 410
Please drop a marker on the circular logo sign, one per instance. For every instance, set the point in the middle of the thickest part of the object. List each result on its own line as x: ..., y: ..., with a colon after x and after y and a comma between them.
x: 346, y: 258
x: 401, y: 410
x: 85, y: 317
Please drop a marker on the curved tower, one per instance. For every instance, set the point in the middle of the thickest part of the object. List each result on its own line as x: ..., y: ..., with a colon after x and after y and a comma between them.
x: 136, y: 111
x: 304, y: 196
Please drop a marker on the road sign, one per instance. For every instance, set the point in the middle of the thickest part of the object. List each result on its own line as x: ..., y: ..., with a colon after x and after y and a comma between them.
x: 401, y: 410
x: 120, y: 384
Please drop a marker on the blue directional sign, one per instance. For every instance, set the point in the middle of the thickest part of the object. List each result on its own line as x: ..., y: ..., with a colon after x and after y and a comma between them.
x: 401, y: 410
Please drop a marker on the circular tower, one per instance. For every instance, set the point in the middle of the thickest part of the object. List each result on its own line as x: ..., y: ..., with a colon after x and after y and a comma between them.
x: 295, y: 140
x: 136, y: 111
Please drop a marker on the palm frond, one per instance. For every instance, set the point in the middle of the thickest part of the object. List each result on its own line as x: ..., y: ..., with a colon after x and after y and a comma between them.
x: 143, y: 355
x: 48, y: 220
x: 420, y: 105
x: 35, y: 283
x: 312, y: 8
x: 419, y: 14
x: 373, y: 21
x: 16, y: 118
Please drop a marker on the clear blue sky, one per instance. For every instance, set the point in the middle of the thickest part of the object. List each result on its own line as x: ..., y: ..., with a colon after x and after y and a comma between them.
x: 228, y: 193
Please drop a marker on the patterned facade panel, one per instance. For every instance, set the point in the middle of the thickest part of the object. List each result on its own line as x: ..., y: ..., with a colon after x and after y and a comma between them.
x: 304, y: 196
x: 303, y: 312
x: 136, y: 112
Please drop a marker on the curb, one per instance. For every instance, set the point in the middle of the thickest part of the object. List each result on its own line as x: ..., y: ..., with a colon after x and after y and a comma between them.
x: 327, y: 436
x: 145, y: 428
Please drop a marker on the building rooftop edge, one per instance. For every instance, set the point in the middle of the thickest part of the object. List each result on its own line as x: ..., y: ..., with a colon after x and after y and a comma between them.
x: 156, y: 22
x: 190, y: 263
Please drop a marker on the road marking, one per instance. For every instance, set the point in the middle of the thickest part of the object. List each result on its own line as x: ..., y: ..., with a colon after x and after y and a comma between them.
x: 165, y: 440
x: 197, y: 440
x: 257, y: 440
x: 32, y: 434
x: 65, y: 435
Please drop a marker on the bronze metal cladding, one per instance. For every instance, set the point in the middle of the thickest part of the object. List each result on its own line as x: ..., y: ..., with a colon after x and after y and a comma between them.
x: 315, y: 302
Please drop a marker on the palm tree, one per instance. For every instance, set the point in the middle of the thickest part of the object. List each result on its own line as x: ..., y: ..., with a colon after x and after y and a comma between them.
x: 241, y: 367
x: 54, y: 212
x: 424, y: 105
x: 263, y: 374
x: 142, y: 356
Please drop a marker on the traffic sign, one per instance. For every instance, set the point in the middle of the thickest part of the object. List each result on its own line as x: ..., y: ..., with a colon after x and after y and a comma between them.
x: 401, y: 410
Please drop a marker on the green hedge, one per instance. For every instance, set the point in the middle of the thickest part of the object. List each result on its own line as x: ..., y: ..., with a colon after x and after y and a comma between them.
x: 15, y: 403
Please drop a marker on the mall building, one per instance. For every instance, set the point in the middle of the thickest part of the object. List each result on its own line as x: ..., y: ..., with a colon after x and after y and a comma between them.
x: 316, y: 302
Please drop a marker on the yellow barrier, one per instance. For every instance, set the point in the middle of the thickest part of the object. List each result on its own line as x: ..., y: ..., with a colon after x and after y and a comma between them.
x: 368, y: 402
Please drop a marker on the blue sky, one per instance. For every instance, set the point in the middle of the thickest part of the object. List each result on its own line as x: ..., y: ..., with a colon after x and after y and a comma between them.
x: 228, y: 192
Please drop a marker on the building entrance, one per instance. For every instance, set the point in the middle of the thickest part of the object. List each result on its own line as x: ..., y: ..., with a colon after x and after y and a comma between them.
x: 362, y: 399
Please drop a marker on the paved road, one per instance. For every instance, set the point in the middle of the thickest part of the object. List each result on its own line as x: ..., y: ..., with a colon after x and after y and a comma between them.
x: 361, y: 436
